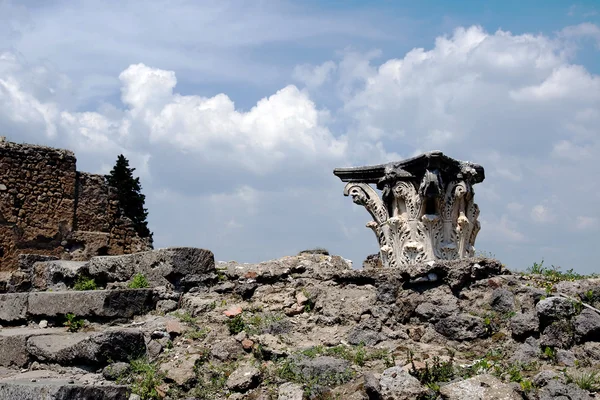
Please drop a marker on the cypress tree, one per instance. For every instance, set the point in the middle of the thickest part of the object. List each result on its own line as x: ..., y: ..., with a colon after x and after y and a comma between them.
x: 130, y: 195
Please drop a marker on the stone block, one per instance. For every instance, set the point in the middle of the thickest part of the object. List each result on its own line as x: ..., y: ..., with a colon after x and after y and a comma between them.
x: 179, y: 266
x: 13, y: 307
x: 84, y: 348
x: 123, y: 303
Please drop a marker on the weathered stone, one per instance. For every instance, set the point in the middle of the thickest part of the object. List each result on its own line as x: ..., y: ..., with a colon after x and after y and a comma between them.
x: 461, y: 327
x: 173, y: 327
x: 14, y: 348
x: 553, y: 386
x: 502, y: 300
x: 83, y: 348
x: 524, y: 325
x: 565, y: 357
x: 172, y: 266
x: 397, y: 384
x: 56, y: 275
x: 554, y: 308
x: 247, y: 344
x: 243, y: 378
x: 527, y: 352
x: 432, y: 313
x: 366, y: 332
x: 587, y: 325
x: 154, y: 349
x: 13, y: 307
x: 323, y: 370
x: 481, y: 387
x: 180, y: 370
x: 233, y: 311
x: 227, y: 349
x: 94, y: 303
x: 290, y: 391
x: 166, y: 306
x: 372, y: 385
x: 432, y: 183
x: 115, y: 371
x: 558, y: 334
x: 59, y: 389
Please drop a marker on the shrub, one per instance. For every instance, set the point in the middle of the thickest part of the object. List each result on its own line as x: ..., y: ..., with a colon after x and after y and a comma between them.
x: 139, y: 281
x: 236, y: 324
x: 73, y: 323
x: 85, y: 282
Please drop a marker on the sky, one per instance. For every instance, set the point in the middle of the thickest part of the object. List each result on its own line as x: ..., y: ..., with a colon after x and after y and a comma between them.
x: 235, y: 113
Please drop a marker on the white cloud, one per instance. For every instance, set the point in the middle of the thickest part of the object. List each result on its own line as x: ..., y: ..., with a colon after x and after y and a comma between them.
x: 542, y: 214
x: 517, y: 104
x: 316, y: 76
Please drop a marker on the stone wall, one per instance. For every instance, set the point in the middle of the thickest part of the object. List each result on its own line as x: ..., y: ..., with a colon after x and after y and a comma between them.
x: 47, y: 207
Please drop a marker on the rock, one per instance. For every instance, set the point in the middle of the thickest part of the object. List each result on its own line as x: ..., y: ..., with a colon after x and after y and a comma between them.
x: 247, y: 344
x: 166, y: 306
x: 233, y: 311
x: 322, y: 370
x: 461, y: 327
x: 366, y: 332
x: 135, y: 397
x: 301, y: 298
x: 13, y: 307
x: 173, y: 327
x: 481, y: 387
x: 553, y: 386
x: 115, y: 371
x: 124, y: 303
x: 587, y: 325
x: 565, y: 357
x: 558, y: 334
x: 43, y: 324
x: 524, y: 325
x: 180, y: 370
x: 243, y: 378
x: 527, y: 352
x: 85, y: 348
x: 592, y: 350
x: 197, y: 305
x: 387, y: 292
x: 397, y: 384
x: 290, y: 391
x: 432, y: 313
x: 502, y: 300
x: 227, y: 349
x: 181, y: 267
x: 372, y: 385
x: 272, y: 346
x: 154, y: 349
x: 57, y: 275
x: 554, y: 308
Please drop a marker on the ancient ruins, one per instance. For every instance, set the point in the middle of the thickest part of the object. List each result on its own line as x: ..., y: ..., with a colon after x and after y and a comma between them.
x: 47, y: 207
x: 426, y: 211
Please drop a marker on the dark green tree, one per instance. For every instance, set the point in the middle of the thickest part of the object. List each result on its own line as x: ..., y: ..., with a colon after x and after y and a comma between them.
x: 130, y: 195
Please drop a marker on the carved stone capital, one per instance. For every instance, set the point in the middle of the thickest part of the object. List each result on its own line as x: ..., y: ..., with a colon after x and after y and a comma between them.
x: 426, y: 211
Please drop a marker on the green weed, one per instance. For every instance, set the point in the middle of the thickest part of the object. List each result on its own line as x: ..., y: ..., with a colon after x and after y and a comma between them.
x: 139, y: 281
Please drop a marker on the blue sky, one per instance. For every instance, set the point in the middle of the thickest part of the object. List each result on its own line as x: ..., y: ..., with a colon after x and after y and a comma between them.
x: 235, y: 113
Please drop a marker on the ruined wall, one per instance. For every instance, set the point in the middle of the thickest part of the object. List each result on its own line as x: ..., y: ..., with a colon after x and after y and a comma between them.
x: 47, y: 207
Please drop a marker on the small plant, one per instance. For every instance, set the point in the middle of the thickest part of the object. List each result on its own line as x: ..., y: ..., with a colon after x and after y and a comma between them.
x: 589, y: 381
x: 549, y: 353
x: 526, y: 385
x: 310, y: 303
x: 84, y: 282
x: 146, y: 379
x: 236, y: 324
x: 589, y: 296
x: 73, y: 323
x: 186, y: 317
x: 197, y: 334
x: 139, y: 281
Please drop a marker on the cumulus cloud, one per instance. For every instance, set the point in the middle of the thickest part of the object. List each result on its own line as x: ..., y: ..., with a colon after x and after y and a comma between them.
x: 516, y: 103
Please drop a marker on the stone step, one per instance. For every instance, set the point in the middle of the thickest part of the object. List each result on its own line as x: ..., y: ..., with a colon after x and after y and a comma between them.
x: 99, y: 304
x: 97, y: 348
x: 50, y: 385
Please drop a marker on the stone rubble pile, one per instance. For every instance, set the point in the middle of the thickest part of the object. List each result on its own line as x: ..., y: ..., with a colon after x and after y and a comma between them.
x: 302, y: 327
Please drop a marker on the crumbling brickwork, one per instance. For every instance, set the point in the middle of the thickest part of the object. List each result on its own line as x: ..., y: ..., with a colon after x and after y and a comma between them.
x: 47, y: 207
